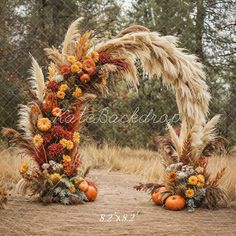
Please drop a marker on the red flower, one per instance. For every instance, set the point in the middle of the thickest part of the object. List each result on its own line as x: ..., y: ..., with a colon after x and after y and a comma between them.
x: 57, y: 131
x: 65, y: 69
x: 67, y: 135
x: 70, y: 168
x: 55, y: 149
x: 106, y: 58
x: 53, y: 86
x: 46, y: 108
x: 47, y: 137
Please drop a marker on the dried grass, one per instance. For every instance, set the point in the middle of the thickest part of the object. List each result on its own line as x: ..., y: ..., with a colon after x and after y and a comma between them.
x: 144, y: 163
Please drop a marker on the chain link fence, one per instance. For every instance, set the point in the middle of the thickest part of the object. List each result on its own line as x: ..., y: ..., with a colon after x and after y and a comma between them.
x: 30, y: 26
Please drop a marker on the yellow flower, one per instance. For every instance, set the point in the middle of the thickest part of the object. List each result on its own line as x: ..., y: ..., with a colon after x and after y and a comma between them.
x: 44, y: 124
x: 192, y: 180
x: 63, y: 87
x: 61, y: 94
x: 201, y: 178
x: 38, y: 140
x: 56, y: 111
x: 66, y: 158
x: 75, y: 68
x: 189, y: 193
x: 71, y: 59
x: 95, y: 56
x: 201, y: 181
x: 79, y: 64
x: 55, y: 177
x: 24, y: 167
x: 72, y: 188
x: 77, y: 93
x: 63, y: 142
x: 69, y: 145
x: 76, y: 137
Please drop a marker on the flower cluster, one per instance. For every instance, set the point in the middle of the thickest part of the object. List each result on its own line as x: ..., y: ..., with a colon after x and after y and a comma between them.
x: 187, y: 181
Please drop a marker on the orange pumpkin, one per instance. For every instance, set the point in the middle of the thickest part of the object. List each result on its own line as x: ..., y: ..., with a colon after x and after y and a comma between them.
x: 156, y: 196
x: 91, y: 193
x: 175, y: 203
x: 84, y: 78
x: 83, y: 186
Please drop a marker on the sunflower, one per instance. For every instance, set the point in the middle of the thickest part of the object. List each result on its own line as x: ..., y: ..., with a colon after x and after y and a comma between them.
x: 44, y: 124
x: 66, y: 158
x: 63, y: 87
x: 24, y: 167
x: 61, y: 94
x: 193, y: 180
x: 77, y: 93
x: 37, y: 140
x: 189, y: 193
x: 55, y: 177
x: 76, y: 137
x: 56, y: 111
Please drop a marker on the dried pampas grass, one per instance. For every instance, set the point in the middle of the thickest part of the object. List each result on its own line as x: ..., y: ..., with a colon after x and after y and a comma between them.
x: 160, y: 56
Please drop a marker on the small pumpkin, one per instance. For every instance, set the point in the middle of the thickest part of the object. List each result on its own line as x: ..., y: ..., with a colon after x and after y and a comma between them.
x: 91, y: 193
x: 175, y: 203
x: 83, y: 186
x: 157, y: 195
x: 84, y: 78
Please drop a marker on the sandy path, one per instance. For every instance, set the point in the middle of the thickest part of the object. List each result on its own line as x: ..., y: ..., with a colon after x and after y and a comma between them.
x: 116, y: 199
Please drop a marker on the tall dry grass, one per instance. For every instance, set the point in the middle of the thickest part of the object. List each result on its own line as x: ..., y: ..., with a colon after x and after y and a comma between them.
x: 148, y: 164
x: 10, y: 161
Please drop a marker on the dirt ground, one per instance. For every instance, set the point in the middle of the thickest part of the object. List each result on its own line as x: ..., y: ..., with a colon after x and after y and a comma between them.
x: 119, y: 210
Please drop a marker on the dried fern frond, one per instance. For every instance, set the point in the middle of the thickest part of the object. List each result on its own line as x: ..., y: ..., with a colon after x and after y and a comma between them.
x: 37, y: 79
x: 219, y: 175
x: 215, y: 198
x: 186, y: 154
x: 72, y: 35
x: 149, y: 187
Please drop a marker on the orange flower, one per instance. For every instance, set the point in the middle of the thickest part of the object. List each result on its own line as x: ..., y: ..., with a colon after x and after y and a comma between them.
x: 65, y: 69
x: 77, y: 93
x: 56, y: 111
x: 44, y: 124
x: 75, y: 68
x: 61, y: 94
x: 63, y: 87
x: 90, y: 66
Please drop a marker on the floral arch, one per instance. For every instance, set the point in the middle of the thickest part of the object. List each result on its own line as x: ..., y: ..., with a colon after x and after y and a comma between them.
x: 76, y: 74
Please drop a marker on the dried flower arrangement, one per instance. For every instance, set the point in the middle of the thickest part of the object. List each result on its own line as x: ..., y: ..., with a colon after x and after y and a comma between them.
x: 186, y: 181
